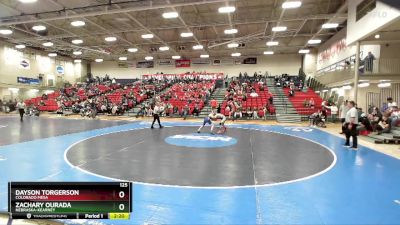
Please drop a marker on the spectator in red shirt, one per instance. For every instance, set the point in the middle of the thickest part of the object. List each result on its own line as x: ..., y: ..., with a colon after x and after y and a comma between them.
x: 214, y: 104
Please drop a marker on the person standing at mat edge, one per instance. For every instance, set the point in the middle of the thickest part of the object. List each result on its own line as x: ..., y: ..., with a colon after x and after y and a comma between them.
x: 21, y: 109
x: 156, y: 115
x: 351, y: 125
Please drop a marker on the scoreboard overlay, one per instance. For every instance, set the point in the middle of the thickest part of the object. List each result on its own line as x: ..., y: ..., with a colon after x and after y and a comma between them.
x: 70, y: 200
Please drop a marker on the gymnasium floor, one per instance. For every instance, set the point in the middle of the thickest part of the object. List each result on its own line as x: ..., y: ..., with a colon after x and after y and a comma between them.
x: 254, y: 174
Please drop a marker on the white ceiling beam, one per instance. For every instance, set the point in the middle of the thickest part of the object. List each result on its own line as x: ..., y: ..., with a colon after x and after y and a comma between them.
x: 60, y: 36
x: 107, y: 12
x: 341, y: 9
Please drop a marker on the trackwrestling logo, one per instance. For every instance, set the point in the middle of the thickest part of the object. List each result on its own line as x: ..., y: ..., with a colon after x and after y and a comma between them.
x: 200, y: 140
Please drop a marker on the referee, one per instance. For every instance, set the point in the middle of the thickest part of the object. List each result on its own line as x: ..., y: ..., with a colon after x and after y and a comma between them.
x: 156, y: 115
x: 21, y: 108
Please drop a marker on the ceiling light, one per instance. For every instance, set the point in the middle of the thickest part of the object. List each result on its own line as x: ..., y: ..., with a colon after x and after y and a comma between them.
x: 233, y: 45
x: 329, y: 25
x: 27, y: 1
x: 279, y: 28
x: 236, y: 54
x: 148, y: 58
x: 48, y: 44
x: 198, y: 47
x: 187, y: 34
x: 110, y: 39
x: 325, y: 90
x: 314, y: 41
x: 77, y: 41
x: 99, y: 60
x: 272, y: 43
x: 362, y: 85
x: 77, y: 61
x: 291, y: 4
x: 226, y: 9
x: 77, y: 53
x: 53, y: 54
x: 164, y: 48
x: 132, y: 49
x: 377, y: 36
x: 147, y: 36
x: 204, y: 56
x: 39, y: 28
x: 304, y: 51
x: 20, y: 46
x: 230, y: 31
x: 6, y: 31
x: 384, y: 85
x: 346, y: 87
x: 268, y: 53
x: 78, y: 23
x: 123, y: 58
x: 170, y: 15
x: 176, y: 57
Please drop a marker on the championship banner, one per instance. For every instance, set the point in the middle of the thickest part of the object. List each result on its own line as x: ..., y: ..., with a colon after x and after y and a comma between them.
x: 181, y: 63
x: 217, y: 62
x: 250, y: 60
x: 201, y: 76
x: 122, y: 65
x: 145, y: 64
x: 60, y: 69
x: 25, y: 64
x: 165, y: 62
x: 201, y: 61
x: 27, y: 80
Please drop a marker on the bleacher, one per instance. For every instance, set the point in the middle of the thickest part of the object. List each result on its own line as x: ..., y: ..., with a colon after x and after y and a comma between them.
x: 253, y: 102
x: 300, y: 97
x: 182, y: 94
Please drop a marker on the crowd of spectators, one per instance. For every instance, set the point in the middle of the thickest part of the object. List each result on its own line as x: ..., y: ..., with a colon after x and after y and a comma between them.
x: 247, y: 97
x: 99, y: 95
x: 380, y: 120
x: 184, y: 97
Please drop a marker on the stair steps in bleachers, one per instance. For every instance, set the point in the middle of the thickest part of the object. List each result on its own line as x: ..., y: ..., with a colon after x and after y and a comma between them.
x: 285, y: 112
x: 219, y: 95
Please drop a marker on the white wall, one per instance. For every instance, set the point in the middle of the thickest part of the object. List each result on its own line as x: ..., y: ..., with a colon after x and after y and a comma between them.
x: 337, y: 49
x: 310, y: 64
x: 274, y: 64
x: 40, y: 63
x: 381, y: 16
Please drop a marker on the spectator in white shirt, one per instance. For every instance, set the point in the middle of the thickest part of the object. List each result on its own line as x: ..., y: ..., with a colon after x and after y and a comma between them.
x: 334, y: 111
x: 391, y: 103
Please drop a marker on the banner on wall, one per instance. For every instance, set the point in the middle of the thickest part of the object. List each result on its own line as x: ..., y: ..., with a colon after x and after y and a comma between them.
x: 165, y: 62
x: 25, y: 64
x: 217, y: 62
x: 201, y: 61
x: 145, y: 64
x: 250, y: 60
x: 27, y: 80
x: 126, y: 65
x: 60, y: 70
x: 202, y: 76
x: 182, y: 63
